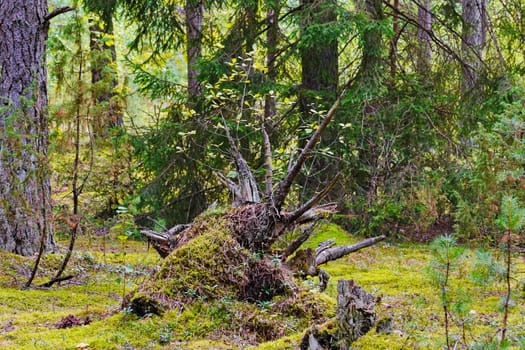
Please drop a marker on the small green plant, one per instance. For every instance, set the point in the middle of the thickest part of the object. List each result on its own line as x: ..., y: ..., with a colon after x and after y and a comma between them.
x: 447, y: 256
x: 511, y: 220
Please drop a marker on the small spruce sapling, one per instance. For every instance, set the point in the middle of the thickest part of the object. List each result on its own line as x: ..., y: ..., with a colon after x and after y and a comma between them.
x: 446, y: 257
x: 511, y: 220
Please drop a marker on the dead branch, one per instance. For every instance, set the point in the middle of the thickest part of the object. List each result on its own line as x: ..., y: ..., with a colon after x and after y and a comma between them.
x: 286, y: 183
x: 306, y: 232
x: 268, y: 164
x: 315, y: 214
x: 312, y: 202
x: 340, y: 251
x: 232, y: 187
x: 247, y: 184
x: 324, y: 246
x: 56, y: 280
x: 58, y: 11
x: 165, y: 242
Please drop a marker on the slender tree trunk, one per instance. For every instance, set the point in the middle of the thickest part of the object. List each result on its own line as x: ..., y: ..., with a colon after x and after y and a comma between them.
x: 424, y: 56
x: 320, y: 68
x: 371, y: 76
x: 393, y: 42
x: 372, y: 39
x: 194, y: 20
x: 319, y: 59
x: 194, y: 10
x: 104, y: 73
x: 24, y: 181
x: 272, y: 21
x: 474, y: 37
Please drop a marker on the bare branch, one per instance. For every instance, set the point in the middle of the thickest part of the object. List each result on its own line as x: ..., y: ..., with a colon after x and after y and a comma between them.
x: 56, y: 280
x: 247, y: 183
x: 324, y: 246
x: 316, y: 213
x: 268, y: 163
x: 232, y: 186
x: 340, y: 251
x: 175, y: 230
x: 284, y: 186
x: 58, y: 11
x: 154, y: 235
x: 296, y: 243
x: 312, y: 202
x: 166, y: 235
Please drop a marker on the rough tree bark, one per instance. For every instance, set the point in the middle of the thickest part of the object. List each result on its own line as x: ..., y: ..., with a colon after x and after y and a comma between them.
x: 25, y: 206
x: 355, y: 312
x: 424, y: 54
x: 474, y: 37
x: 272, y: 38
x: 371, y: 70
x: 355, y: 317
x: 194, y: 18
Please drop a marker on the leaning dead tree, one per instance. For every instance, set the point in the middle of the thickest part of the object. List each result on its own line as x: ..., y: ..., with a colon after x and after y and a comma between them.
x: 258, y: 221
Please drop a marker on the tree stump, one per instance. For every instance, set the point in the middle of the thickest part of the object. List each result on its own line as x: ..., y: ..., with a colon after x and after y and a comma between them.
x: 355, y: 317
x: 355, y: 312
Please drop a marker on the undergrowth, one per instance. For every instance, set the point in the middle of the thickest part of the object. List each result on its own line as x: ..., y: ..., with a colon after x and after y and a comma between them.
x: 213, y: 319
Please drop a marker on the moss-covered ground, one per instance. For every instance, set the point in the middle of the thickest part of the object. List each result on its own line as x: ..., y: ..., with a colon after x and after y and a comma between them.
x: 106, y: 270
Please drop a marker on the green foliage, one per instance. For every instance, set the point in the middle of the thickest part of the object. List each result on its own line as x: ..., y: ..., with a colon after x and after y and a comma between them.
x: 497, y: 169
x: 447, y: 257
x: 512, y: 215
x: 485, y: 269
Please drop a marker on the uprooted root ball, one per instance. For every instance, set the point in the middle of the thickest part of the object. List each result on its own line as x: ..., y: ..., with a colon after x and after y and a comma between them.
x: 213, y: 265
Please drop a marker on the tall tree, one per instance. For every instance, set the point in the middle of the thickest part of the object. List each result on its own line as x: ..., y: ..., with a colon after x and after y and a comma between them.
x: 104, y: 75
x: 424, y: 55
x: 474, y: 13
x: 319, y: 55
x: 194, y: 19
x: 272, y: 37
x: 25, y: 205
x: 320, y: 69
x: 371, y: 70
x: 371, y: 74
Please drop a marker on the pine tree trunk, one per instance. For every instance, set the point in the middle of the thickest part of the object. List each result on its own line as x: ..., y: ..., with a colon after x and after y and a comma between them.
x: 424, y: 19
x: 474, y: 36
x: 24, y: 183
x: 194, y: 18
x: 320, y: 69
x: 372, y: 63
x: 103, y: 72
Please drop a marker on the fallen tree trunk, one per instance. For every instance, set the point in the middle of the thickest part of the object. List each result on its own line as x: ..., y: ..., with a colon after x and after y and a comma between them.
x: 338, y: 252
x: 165, y: 242
x: 306, y: 262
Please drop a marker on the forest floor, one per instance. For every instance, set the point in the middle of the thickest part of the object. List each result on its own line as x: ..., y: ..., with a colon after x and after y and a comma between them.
x: 85, y: 312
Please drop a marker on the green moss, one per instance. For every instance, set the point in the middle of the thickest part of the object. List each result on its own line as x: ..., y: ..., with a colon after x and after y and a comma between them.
x: 290, y: 342
x: 330, y: 231
x: 210, y: 266
x: 206, y: 313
